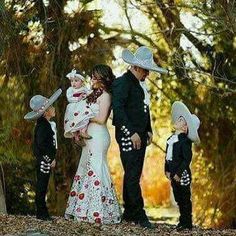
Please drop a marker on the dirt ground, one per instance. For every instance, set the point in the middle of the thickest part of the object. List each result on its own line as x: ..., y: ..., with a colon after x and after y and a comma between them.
x: 29, y: 226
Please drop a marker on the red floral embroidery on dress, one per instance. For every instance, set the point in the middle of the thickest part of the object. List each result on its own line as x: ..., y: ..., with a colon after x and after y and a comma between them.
x: 73, y: 193
x: 76, y: 113
x: 86, y: 113
x: 98, y: 220
x: 81, y: 196
x: 77, y: 95
x: 93, y: 195
x: 96, y: 214
x: 77, y: 177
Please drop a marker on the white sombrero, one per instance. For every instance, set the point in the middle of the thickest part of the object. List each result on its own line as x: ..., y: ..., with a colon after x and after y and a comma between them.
x: 40, y: 104
x: 143, y: 58
x: 75, y: 74
x: 193, y: 122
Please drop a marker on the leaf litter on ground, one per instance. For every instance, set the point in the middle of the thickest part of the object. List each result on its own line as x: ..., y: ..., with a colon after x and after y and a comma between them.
x: 12, y: 225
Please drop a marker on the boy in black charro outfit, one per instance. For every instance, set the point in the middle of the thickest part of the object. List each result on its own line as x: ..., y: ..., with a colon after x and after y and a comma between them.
x: 44, y: 146
x: 131, y: 118
x: 178, y: 159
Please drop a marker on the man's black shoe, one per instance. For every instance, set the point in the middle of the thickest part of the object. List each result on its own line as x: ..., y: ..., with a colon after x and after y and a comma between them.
x: 127, y: 218
x: 145, y: 224
x: 46, y: 218
x: 178, y: 226
x: 184, y: 227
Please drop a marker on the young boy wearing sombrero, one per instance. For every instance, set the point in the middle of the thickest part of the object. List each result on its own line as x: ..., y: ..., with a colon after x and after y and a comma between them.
x: 44, y: 146
x: 178, y: 159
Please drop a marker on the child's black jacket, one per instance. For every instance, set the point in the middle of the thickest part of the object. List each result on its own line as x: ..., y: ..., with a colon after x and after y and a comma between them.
x: 182, y: 156
x: 44, y: 143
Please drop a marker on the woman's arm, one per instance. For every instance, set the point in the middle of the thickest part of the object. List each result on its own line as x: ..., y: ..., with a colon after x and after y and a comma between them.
x: 76, y: 95
x: 104, y: 102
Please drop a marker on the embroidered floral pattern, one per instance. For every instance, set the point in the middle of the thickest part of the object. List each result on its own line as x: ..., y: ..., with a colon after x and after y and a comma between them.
x: 73, y: 193
x: 78, y: 112
x: 94, y: 203
x: 95, y: 200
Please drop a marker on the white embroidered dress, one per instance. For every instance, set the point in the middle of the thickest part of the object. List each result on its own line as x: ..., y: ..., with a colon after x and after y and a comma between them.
x: 78, y: 112
x: 92, y: 196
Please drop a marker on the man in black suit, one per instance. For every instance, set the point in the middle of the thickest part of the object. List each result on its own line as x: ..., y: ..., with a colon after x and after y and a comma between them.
x: 131, y: 118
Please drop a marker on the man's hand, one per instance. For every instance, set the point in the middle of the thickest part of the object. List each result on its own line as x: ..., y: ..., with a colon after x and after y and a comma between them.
x: 167, y: 175
x: 149, y: 141
x: 177, y: 178
x: 53, y: 164
x: 136, y: 141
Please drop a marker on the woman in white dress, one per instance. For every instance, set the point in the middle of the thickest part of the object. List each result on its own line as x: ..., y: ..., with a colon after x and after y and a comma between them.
x: 92, y: 196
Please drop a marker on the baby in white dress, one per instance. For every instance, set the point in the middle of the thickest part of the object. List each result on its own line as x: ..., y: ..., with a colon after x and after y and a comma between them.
x: 78, y: 112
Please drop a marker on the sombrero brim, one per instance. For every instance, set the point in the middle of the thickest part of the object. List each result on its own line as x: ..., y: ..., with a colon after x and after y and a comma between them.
x: 32, y: 115
x: 129, y: 58
x: 179, y: 109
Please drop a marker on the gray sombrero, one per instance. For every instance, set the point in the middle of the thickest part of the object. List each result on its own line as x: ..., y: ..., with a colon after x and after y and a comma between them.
x: 143, y: 57
x: 193, y: 122
x: 40, y: 104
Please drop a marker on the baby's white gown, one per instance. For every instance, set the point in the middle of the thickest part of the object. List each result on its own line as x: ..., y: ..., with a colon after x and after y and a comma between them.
x: 78, y: 112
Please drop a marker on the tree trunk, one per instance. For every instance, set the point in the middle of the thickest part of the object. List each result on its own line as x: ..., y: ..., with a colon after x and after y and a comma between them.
x: 3, y: 209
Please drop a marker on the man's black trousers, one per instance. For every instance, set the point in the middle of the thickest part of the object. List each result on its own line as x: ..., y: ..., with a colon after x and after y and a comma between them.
x: 132, y: 162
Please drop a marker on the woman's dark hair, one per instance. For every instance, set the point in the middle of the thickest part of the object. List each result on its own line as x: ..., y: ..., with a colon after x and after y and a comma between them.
x: 106, y: 78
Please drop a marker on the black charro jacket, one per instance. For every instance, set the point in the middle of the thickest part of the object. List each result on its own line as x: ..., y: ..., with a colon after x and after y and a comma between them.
x: 129, y: 109
x: 182, y: 156
x: 44, y: 144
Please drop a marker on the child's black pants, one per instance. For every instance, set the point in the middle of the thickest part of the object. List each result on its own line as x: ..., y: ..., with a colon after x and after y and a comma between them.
x: 41, y: 190
x: 182, y: 196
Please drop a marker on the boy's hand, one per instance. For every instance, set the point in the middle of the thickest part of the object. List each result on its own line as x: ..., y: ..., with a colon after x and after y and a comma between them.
x: 53, y: 164
x: 149, y: 141
x: 177, y: 178
x: 167, y: 175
